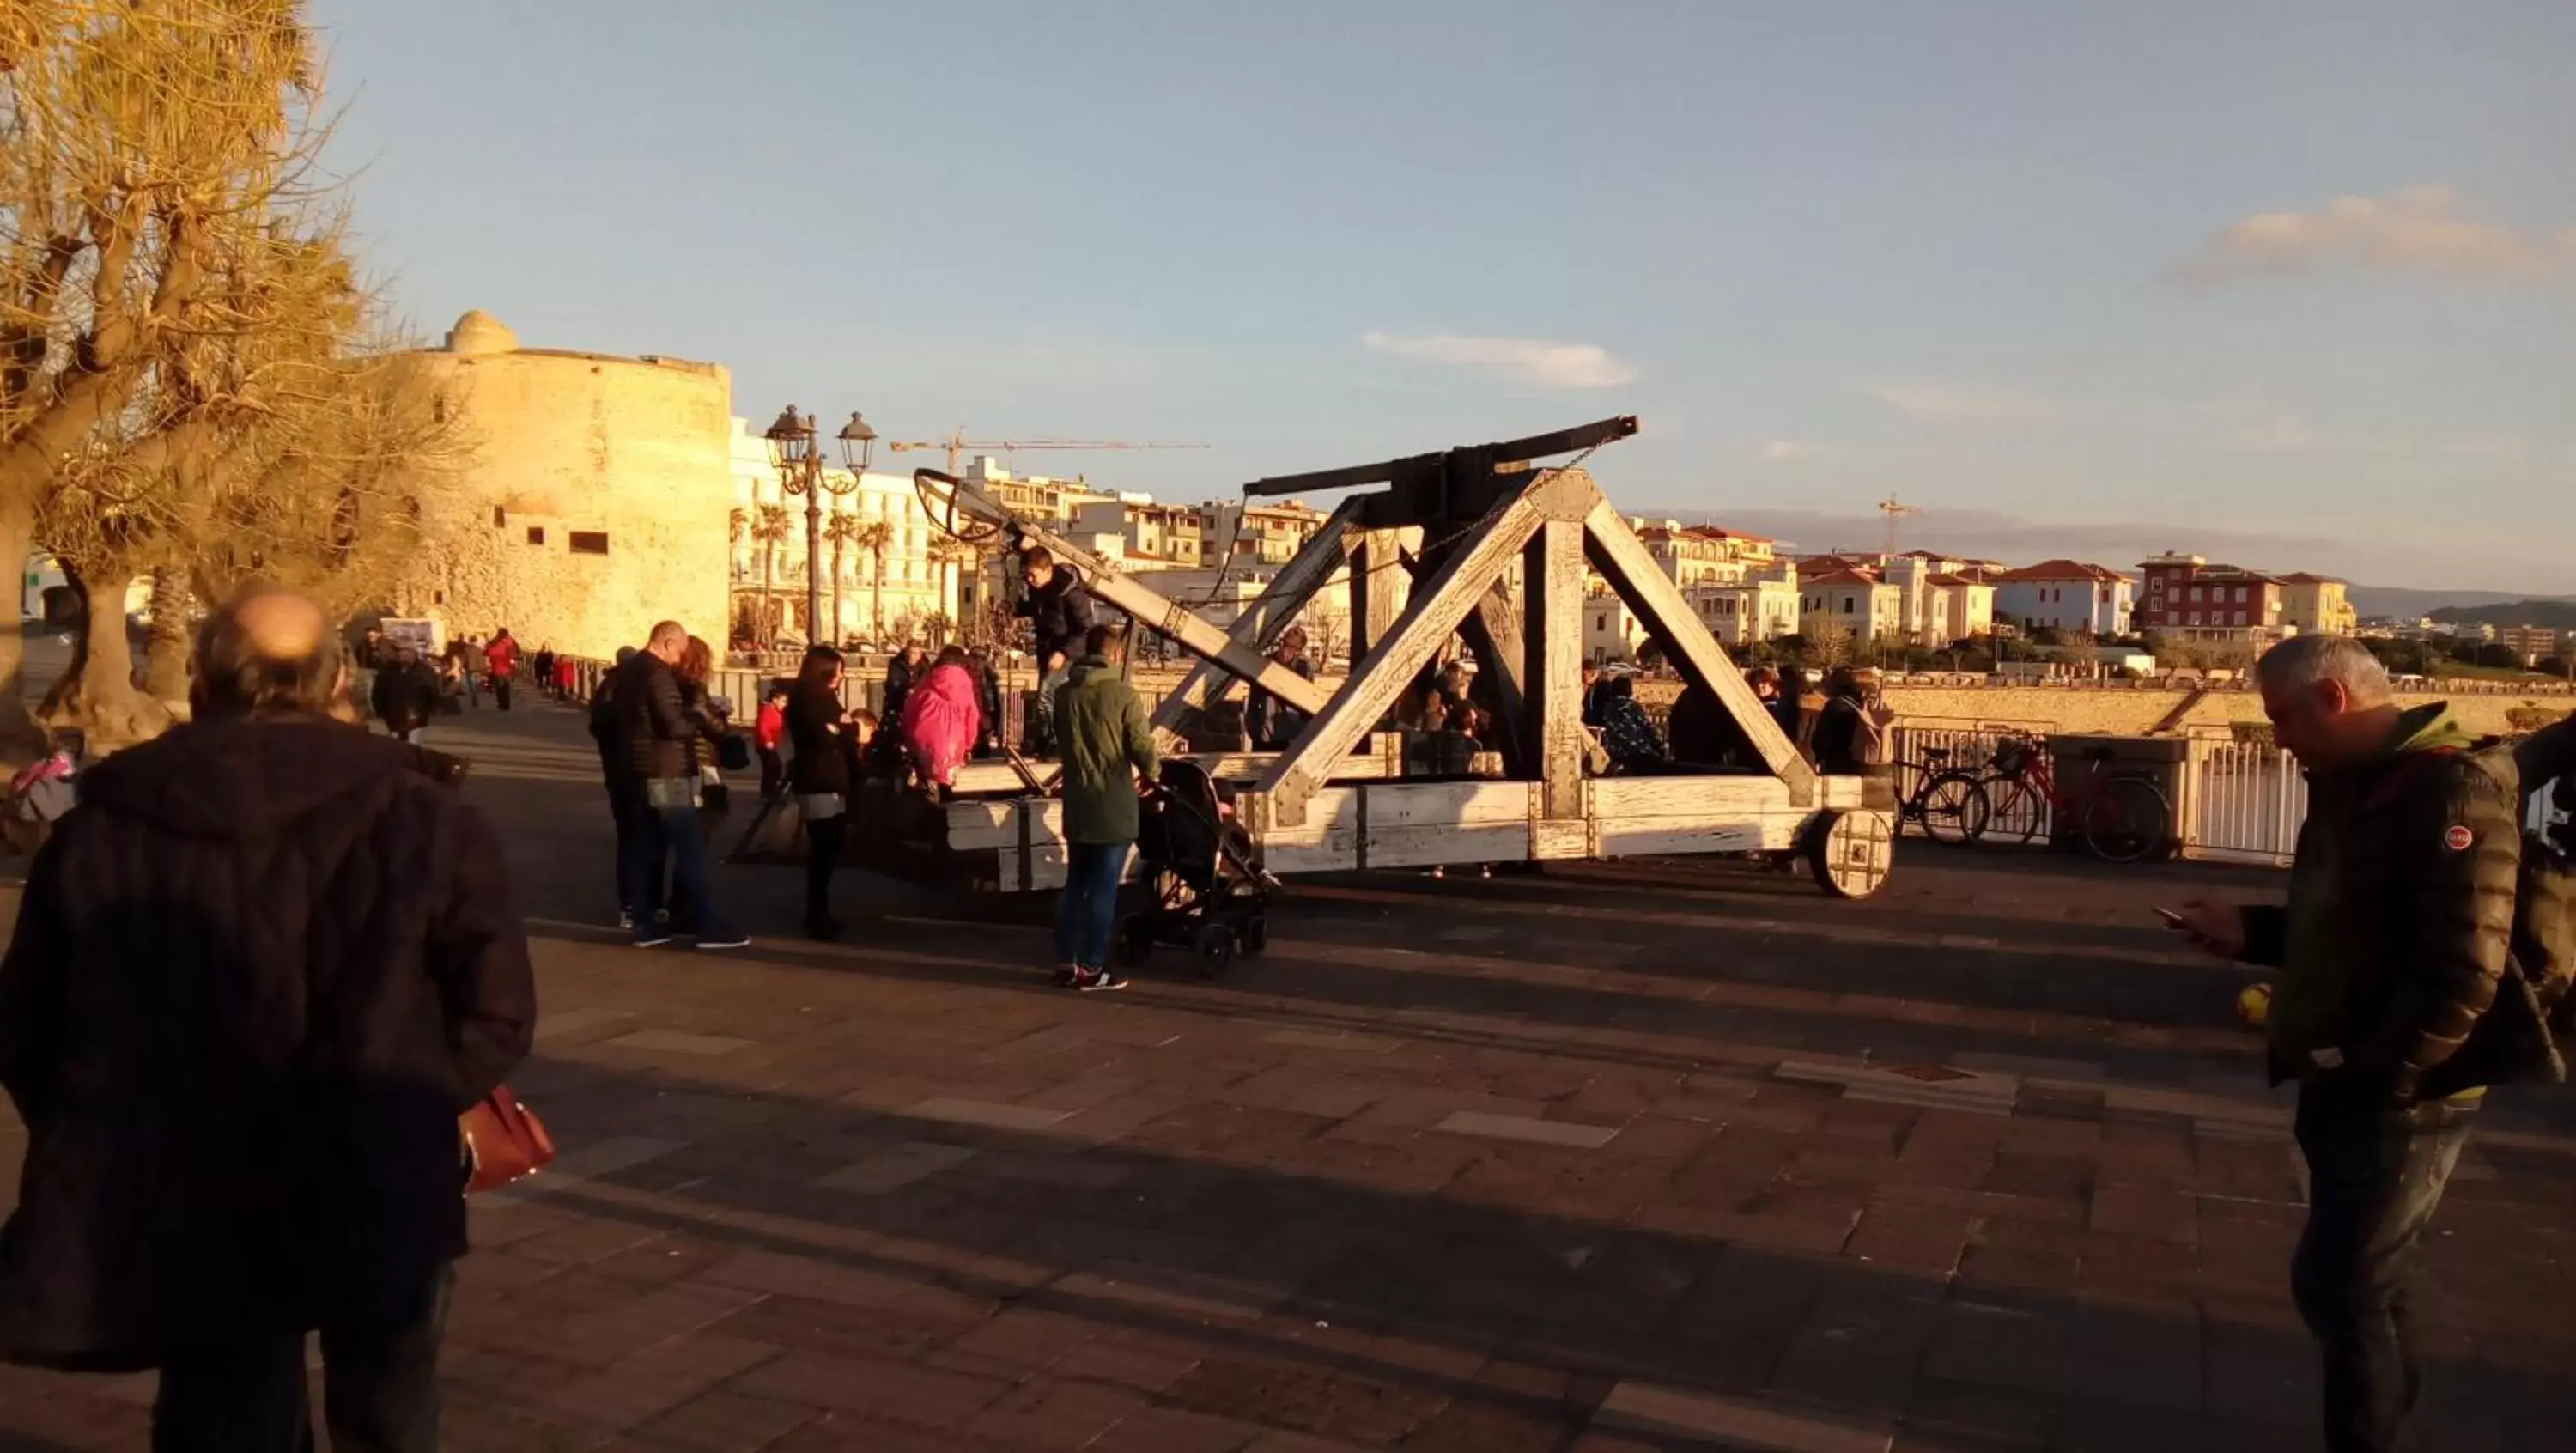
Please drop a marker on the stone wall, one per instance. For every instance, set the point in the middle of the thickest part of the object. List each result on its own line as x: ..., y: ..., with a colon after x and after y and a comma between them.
x: 633, y: 449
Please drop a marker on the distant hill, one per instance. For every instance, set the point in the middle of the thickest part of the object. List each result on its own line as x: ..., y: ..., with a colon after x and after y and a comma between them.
x: 2557, y: 614
x: 2408, y: 604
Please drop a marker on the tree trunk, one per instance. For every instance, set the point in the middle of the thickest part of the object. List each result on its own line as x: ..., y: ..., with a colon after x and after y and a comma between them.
x: 21, y: 739
x: 98, y: 694
x: 165, y: 663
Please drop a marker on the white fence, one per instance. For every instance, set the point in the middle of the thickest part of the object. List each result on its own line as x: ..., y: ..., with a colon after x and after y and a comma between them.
x: 2238, y: 802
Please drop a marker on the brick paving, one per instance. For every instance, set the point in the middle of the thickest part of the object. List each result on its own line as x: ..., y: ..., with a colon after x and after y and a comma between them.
x: 1627, y: 1157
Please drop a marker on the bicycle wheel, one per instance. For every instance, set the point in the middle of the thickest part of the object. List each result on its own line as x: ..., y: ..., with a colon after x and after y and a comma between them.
x: 2127, y: 819
x: 2016, y: 813
x: 1952, y: 808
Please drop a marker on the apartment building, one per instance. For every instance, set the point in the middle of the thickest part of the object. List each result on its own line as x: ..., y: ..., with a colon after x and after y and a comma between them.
x: 2315, y: 605
x: 2067, y: 595
x: 2187, y: 596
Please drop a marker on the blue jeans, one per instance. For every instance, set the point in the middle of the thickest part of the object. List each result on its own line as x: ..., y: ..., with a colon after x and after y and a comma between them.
x: 669, y: 840
x: 1086, y: 912
x: 2375, y: 1173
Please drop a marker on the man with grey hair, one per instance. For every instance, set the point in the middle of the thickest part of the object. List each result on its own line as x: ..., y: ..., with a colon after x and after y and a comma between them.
x: 257, y: 974
x: 2387, y: 1011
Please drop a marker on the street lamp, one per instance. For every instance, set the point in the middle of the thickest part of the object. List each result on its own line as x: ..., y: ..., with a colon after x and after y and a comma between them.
x: 800, y: 472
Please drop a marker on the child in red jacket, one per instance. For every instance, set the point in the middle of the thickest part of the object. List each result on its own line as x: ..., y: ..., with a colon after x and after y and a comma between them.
x: 767, y: 732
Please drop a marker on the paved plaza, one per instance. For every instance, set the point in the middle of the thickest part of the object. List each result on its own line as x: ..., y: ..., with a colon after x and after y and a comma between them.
x: 1623, y: 1157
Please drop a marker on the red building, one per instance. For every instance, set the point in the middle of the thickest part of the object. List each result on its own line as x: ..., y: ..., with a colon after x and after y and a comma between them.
x: 2185, y: 595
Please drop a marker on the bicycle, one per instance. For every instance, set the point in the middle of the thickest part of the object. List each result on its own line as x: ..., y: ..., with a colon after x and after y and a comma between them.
x: 2121, y: 816
x: 1947, y: 803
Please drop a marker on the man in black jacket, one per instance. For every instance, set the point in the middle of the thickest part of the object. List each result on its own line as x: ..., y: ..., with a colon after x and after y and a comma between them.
x: 656, y: 732
x: 257, y: 975
x: 1057, y: 606
x: 2391, y: 950
x: 625, y: 790
x: 404, y: 695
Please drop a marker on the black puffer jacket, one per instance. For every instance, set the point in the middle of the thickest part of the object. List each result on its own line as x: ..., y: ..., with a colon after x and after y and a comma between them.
x: 815, y: 723
x: 258, y: 973
x: 2395, y: 941
x: 1059, y: 614
x: 651, y: 719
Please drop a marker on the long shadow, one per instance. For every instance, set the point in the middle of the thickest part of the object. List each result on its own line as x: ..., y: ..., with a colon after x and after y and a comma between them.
x: 1423, y: 1000
x: 1237, y: 1231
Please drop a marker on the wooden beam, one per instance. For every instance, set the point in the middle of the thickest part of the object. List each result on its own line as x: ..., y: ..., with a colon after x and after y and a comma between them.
x: 1151, y: 609
x: 1510, y: 451
x: 1364, y: 700
x: 1378, y: 582
x: 1625, y: 563
x: 1494, y: 635
x: 1552, y: 574
x: 1259, y: 627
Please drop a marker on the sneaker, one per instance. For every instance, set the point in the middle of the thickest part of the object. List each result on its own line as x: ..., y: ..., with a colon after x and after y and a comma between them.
x: 1097, y: 981
x: 1067, y: 975
x: 652, y: 940
x: 625, y: 920
x: 726, y: 940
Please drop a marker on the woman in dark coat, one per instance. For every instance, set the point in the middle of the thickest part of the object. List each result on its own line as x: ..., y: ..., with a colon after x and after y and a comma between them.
x: 820, y: 729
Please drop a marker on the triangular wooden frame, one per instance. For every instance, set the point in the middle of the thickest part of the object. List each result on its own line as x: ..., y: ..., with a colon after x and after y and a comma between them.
x: 1555, y: 523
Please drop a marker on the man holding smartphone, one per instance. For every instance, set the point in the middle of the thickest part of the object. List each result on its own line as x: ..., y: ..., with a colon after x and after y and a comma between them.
x: 2386, y: 1013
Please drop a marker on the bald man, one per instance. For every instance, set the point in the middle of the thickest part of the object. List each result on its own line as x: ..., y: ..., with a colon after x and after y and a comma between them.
x: 258, y: 973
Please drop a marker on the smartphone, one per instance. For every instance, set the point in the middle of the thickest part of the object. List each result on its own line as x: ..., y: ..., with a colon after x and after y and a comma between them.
x: 2171, y: 918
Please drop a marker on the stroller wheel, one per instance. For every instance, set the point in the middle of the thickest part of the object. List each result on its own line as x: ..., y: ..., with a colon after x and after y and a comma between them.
x: 1135, y: 940
x: 1215, y: 945
x: 1256, y: 934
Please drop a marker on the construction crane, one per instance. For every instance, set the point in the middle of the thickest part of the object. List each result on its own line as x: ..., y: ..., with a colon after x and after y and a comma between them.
x: 957, y: 444
x: 1894, y: 512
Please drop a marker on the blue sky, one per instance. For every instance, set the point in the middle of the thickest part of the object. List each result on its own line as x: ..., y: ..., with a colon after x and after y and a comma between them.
x: 2291, y: 283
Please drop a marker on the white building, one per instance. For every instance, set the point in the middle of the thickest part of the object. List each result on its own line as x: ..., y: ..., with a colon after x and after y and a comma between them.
x: 1855, y: 603
x: 2067, y: 595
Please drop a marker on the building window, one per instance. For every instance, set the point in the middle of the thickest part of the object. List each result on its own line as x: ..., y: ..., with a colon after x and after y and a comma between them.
x: 2240, y: 617
x: 589, y: 542
x: 1847, y: 605
x: 536, y: 534
x: 500, y: 518
x: 2195, y: 593
x: 2240, y: 595
x: 2195, y: 618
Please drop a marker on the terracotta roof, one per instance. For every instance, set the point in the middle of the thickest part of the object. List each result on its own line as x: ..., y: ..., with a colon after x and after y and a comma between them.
x: 1843, y: 577
x: 2304, y: 578
x: 1952, y: 580
x: 2063, y: 570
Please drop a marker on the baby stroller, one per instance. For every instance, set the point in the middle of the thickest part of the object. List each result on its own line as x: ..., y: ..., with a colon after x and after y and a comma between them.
x: 1197, y: 865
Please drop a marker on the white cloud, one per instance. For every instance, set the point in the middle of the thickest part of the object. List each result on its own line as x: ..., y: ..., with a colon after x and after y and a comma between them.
x: 1949, y: 404
x: 1537, y: 362
x: 1781, y: 451
x: 2420, y: 228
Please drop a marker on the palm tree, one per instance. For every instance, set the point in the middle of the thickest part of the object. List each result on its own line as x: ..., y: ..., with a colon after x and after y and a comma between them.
x: 842, y: 530
x: 770, y: 527
x: 874, y: 537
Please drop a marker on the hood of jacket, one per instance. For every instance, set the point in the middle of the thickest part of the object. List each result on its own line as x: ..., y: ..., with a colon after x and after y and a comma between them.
x: 239, y: 778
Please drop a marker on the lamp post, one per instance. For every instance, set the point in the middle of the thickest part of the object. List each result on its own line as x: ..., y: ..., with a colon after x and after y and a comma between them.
x: 800, y: 472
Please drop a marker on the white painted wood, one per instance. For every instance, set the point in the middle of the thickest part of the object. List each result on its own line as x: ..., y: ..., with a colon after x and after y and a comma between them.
x: 1424, y: 847
x: 1556, y: 840
x: 1448, y: 804
x: 1555, y: 743
x: 1703, y: 797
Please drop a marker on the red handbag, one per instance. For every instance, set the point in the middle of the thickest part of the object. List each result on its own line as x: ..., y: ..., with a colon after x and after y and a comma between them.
x: 504, y: 1142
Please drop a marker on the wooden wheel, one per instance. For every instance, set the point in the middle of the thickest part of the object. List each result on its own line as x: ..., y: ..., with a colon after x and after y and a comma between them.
x: 1850, y: 853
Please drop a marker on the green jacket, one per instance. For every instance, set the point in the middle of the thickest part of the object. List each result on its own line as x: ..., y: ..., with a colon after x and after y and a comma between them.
x: 1100, y: 723
x: 2400, y: 913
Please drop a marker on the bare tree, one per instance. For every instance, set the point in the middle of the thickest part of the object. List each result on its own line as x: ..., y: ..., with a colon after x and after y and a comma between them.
x: 150, y: 156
